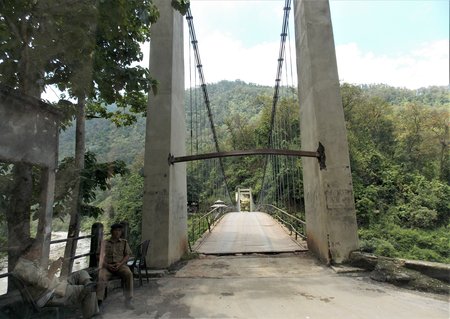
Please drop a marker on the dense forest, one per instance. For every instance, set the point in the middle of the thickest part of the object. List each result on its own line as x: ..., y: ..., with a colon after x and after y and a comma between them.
x: 398, y: 148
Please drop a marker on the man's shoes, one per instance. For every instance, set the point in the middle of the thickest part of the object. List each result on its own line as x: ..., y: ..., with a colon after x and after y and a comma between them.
x: 129, y: 304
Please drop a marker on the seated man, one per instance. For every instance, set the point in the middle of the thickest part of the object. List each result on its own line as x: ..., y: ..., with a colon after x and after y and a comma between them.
x: 113, y: 257
x: 46, y: 289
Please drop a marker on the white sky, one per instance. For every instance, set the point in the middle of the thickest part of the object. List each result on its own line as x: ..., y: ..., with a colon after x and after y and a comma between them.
x: 400, y: 43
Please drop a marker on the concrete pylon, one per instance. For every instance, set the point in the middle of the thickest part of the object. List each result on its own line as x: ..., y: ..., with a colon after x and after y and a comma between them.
x: 164, y: 216
x: 329, y: 203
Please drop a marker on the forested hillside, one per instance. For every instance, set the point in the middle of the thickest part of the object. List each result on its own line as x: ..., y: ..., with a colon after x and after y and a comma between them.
x: 109, y: 142
x: 398, y: 148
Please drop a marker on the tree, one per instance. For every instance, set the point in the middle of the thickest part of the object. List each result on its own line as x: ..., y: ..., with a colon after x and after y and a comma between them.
x: 24, y: 30
x: 422, y: 133
x: 106, y: 76
x: 84, y: 48
x: 95, y: 176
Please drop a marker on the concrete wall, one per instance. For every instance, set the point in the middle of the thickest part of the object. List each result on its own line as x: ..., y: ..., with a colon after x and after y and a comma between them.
x: 28, y: 130
x: 164, y: 217
x: 329, y: 203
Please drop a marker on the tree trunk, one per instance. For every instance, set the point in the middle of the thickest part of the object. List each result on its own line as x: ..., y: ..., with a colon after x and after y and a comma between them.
x: 77, y: 198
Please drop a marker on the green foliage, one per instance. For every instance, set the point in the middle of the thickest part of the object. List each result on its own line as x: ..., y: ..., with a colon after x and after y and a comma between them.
x: 90, y: 51
x: 121, y: 27
x: 432, y: 95
x: 95, y: 176
x: 418, y: 217
x: 24, y: 48
x: 399, y: 154
x: 41, y: 43
x: 398, y: 150
x: 181, y: 5
x: 107, y: 141
x: 127, y: 197
x: 391, y: 240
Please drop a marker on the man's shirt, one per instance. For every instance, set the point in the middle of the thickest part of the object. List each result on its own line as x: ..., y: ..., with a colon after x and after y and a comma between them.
x: 116, y: 250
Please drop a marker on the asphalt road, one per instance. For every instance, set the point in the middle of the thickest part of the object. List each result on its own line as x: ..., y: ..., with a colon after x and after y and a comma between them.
x: 281, y: 286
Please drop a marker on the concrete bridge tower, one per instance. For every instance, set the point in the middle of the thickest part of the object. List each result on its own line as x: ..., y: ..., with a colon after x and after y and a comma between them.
x: 330, y: 210
x: 164, y: 216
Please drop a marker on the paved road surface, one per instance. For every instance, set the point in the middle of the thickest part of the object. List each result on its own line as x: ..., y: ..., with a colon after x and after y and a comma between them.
x: 285, y: 286
x: 248, y: 233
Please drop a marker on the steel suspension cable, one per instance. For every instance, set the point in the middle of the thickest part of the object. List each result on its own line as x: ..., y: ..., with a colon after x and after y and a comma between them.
x: 287, y: 8
x: 286, y: 125
x: 190, y: 101
x: 284, y: 30
x: 190, y: 170
x: 190, y: 22
x: 291, y: 168
x: 295, y: 170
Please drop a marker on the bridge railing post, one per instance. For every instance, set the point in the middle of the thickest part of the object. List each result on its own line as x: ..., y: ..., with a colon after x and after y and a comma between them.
x: 96, y: 241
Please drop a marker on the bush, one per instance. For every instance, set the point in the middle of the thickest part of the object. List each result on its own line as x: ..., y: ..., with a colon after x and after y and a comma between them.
x: 420, y: 217
x: 394, y: 241
x: 385, y: 248
x: 422, y: 254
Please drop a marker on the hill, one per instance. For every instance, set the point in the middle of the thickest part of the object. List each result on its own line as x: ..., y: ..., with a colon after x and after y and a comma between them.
x: 109, y: 142
x: 227, y: 98
x: 398, y: 140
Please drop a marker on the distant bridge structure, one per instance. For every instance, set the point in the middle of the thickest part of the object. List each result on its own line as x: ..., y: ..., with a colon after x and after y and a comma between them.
x: 244, y: 200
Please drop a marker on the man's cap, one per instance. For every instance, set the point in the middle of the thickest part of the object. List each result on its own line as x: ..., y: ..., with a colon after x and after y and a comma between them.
x: 116, y: 226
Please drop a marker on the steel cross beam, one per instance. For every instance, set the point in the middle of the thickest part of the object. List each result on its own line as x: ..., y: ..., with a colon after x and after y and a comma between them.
x: 319, y: 154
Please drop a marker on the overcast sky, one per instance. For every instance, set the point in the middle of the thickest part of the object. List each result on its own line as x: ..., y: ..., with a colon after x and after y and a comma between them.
x: 401, y: 43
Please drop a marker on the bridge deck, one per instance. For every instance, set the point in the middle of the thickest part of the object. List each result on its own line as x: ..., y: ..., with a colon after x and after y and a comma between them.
x: 253, y: 232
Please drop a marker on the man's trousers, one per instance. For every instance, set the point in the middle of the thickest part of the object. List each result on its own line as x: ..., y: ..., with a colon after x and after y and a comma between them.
x: 76, y: 295
x: 124, y: 273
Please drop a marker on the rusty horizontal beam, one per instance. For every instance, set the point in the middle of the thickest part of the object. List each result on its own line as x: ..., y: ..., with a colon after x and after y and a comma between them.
x: 172, y: 159
x: 67, y: 239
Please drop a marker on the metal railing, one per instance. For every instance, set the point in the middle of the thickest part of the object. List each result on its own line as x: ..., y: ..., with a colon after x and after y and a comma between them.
x: 62, y: 241
x: 90, y: 253
x: 294, y: 224
x: 199, y: 224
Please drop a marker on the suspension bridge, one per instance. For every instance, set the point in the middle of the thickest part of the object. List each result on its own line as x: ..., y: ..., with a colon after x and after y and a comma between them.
x: 304, y: 165
x: 253, y: 232
x: 302, y: 202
